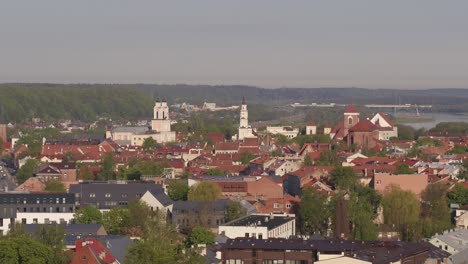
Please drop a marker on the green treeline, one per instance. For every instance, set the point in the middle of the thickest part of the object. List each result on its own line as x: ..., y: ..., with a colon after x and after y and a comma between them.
x: 20, y: 103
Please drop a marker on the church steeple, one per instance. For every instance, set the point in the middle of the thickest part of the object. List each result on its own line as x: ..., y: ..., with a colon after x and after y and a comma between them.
x: 243, y: 100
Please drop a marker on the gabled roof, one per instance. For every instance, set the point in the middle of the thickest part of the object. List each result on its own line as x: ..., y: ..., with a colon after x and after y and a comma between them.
x: 364, y: 126
x: 385, y: 117
x: 351, y: 109
x: 161, y: 197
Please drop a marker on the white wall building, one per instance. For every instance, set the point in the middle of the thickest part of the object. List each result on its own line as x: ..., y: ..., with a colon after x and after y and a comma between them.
x: 35, y: 218
x: 261, y: 226
x: 245, y: 130
x: 287, y: 131
x: 387, y: 129
x: 160, y: 129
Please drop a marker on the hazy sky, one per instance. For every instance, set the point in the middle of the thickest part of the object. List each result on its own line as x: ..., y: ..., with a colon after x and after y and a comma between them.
x: 328, y: 43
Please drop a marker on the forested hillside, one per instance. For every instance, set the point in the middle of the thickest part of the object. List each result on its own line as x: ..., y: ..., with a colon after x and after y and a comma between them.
x: 20, y: 102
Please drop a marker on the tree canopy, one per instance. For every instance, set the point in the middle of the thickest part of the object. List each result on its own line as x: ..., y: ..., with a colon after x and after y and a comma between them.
x: 204, y: 192
x: 314, y: 212
x: 88, y: 215
x: 177, y: 190
x: 27, y: 170
x: 55, y: 186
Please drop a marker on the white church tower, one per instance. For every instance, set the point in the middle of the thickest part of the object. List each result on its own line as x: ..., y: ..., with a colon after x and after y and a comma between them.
x: 245, y: 131
x: 161, y: 121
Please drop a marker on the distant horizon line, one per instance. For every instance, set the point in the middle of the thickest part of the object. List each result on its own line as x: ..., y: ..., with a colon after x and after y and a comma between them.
x: 226, y: 85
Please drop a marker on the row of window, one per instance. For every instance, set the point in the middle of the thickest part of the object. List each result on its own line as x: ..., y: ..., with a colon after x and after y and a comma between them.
x: 38, y: 200
x: 268, y: 261
x: 108, y: 195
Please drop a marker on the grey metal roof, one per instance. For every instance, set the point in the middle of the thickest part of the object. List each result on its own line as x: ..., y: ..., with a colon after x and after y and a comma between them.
x: 162, y: 197
x: 98, y: 194
x: 269, y: 221
x: 457, y: 239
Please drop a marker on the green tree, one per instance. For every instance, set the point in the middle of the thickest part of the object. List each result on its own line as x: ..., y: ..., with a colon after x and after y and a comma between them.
x: 403, y: 168
x: 145, y: 167
x: 24, y: 250
x: 458, y: 194
x: 362, y: 205
x: 307, y: 160
x: 158, y: 243
x: 116, y: 221
x: 215, y: 172
x: 204, y: 192
x: 88, y: 215
x: 55, y: 186
x: 69, y: 157
x: 85, y: 173
x: 401, y: 210
x: 149, y: 144
x: 435, y: 210
x: 27, y: 170
x: 246, y: 157
x: 107, y: 168
x: 177, y: 190
x: 140, y: 214
x: 328, y: 158
x: 200, y: 235
x: 234, y: 211
x: 53, y: 237
x: 343, y: 178
x: 313, y: 211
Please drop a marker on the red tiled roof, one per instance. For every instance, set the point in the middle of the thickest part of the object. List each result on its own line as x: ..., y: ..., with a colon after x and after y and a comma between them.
x: 351, y: 109
x: 311, y: 123
x: 227, y: 146
x: 364, y: 126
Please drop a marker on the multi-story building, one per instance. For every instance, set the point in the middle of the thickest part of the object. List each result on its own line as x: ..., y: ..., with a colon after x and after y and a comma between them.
x: 186, y: 214
x: 261, y: 226
x: 105, y: 196
x: 37, y: 208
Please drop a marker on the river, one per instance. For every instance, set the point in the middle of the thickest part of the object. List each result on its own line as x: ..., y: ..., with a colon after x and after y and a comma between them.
x: 437, y: 118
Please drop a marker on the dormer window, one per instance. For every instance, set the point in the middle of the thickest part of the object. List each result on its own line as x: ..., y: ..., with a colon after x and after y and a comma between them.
x: 108, y: 195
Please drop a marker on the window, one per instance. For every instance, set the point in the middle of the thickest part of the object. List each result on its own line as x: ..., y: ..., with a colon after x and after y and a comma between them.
x: 288, y: 205
x: 92, y: 195
x: 34, y: 220
x: 379, y: 182
x: 1, y: 221
x: 108, y: 195
x: 234, y: 261
x: 46, y: 221
x: 350, y: 120
x: 276, y: 205
x: 260, y: 236
x: 23, y: 221
x: 446, y: 247
x: 124, y: 195
x: 273, y: 261
x: 247, y: 234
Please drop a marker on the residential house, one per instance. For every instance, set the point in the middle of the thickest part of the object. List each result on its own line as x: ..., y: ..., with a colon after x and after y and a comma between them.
x: 408, y: 182
x: 186, y: 214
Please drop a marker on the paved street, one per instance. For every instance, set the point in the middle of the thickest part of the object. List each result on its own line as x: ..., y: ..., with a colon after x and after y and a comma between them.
x: 7, y: 182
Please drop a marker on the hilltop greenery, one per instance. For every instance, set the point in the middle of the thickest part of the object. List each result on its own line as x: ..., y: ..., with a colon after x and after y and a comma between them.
x: 21, y: 102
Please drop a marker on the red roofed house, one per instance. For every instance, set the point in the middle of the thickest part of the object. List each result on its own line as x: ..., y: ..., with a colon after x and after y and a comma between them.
x: 364, y: 135
x: 91, y: 251
x: 264, y: 188
x: 409, y: 182
x: 386, y: 127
